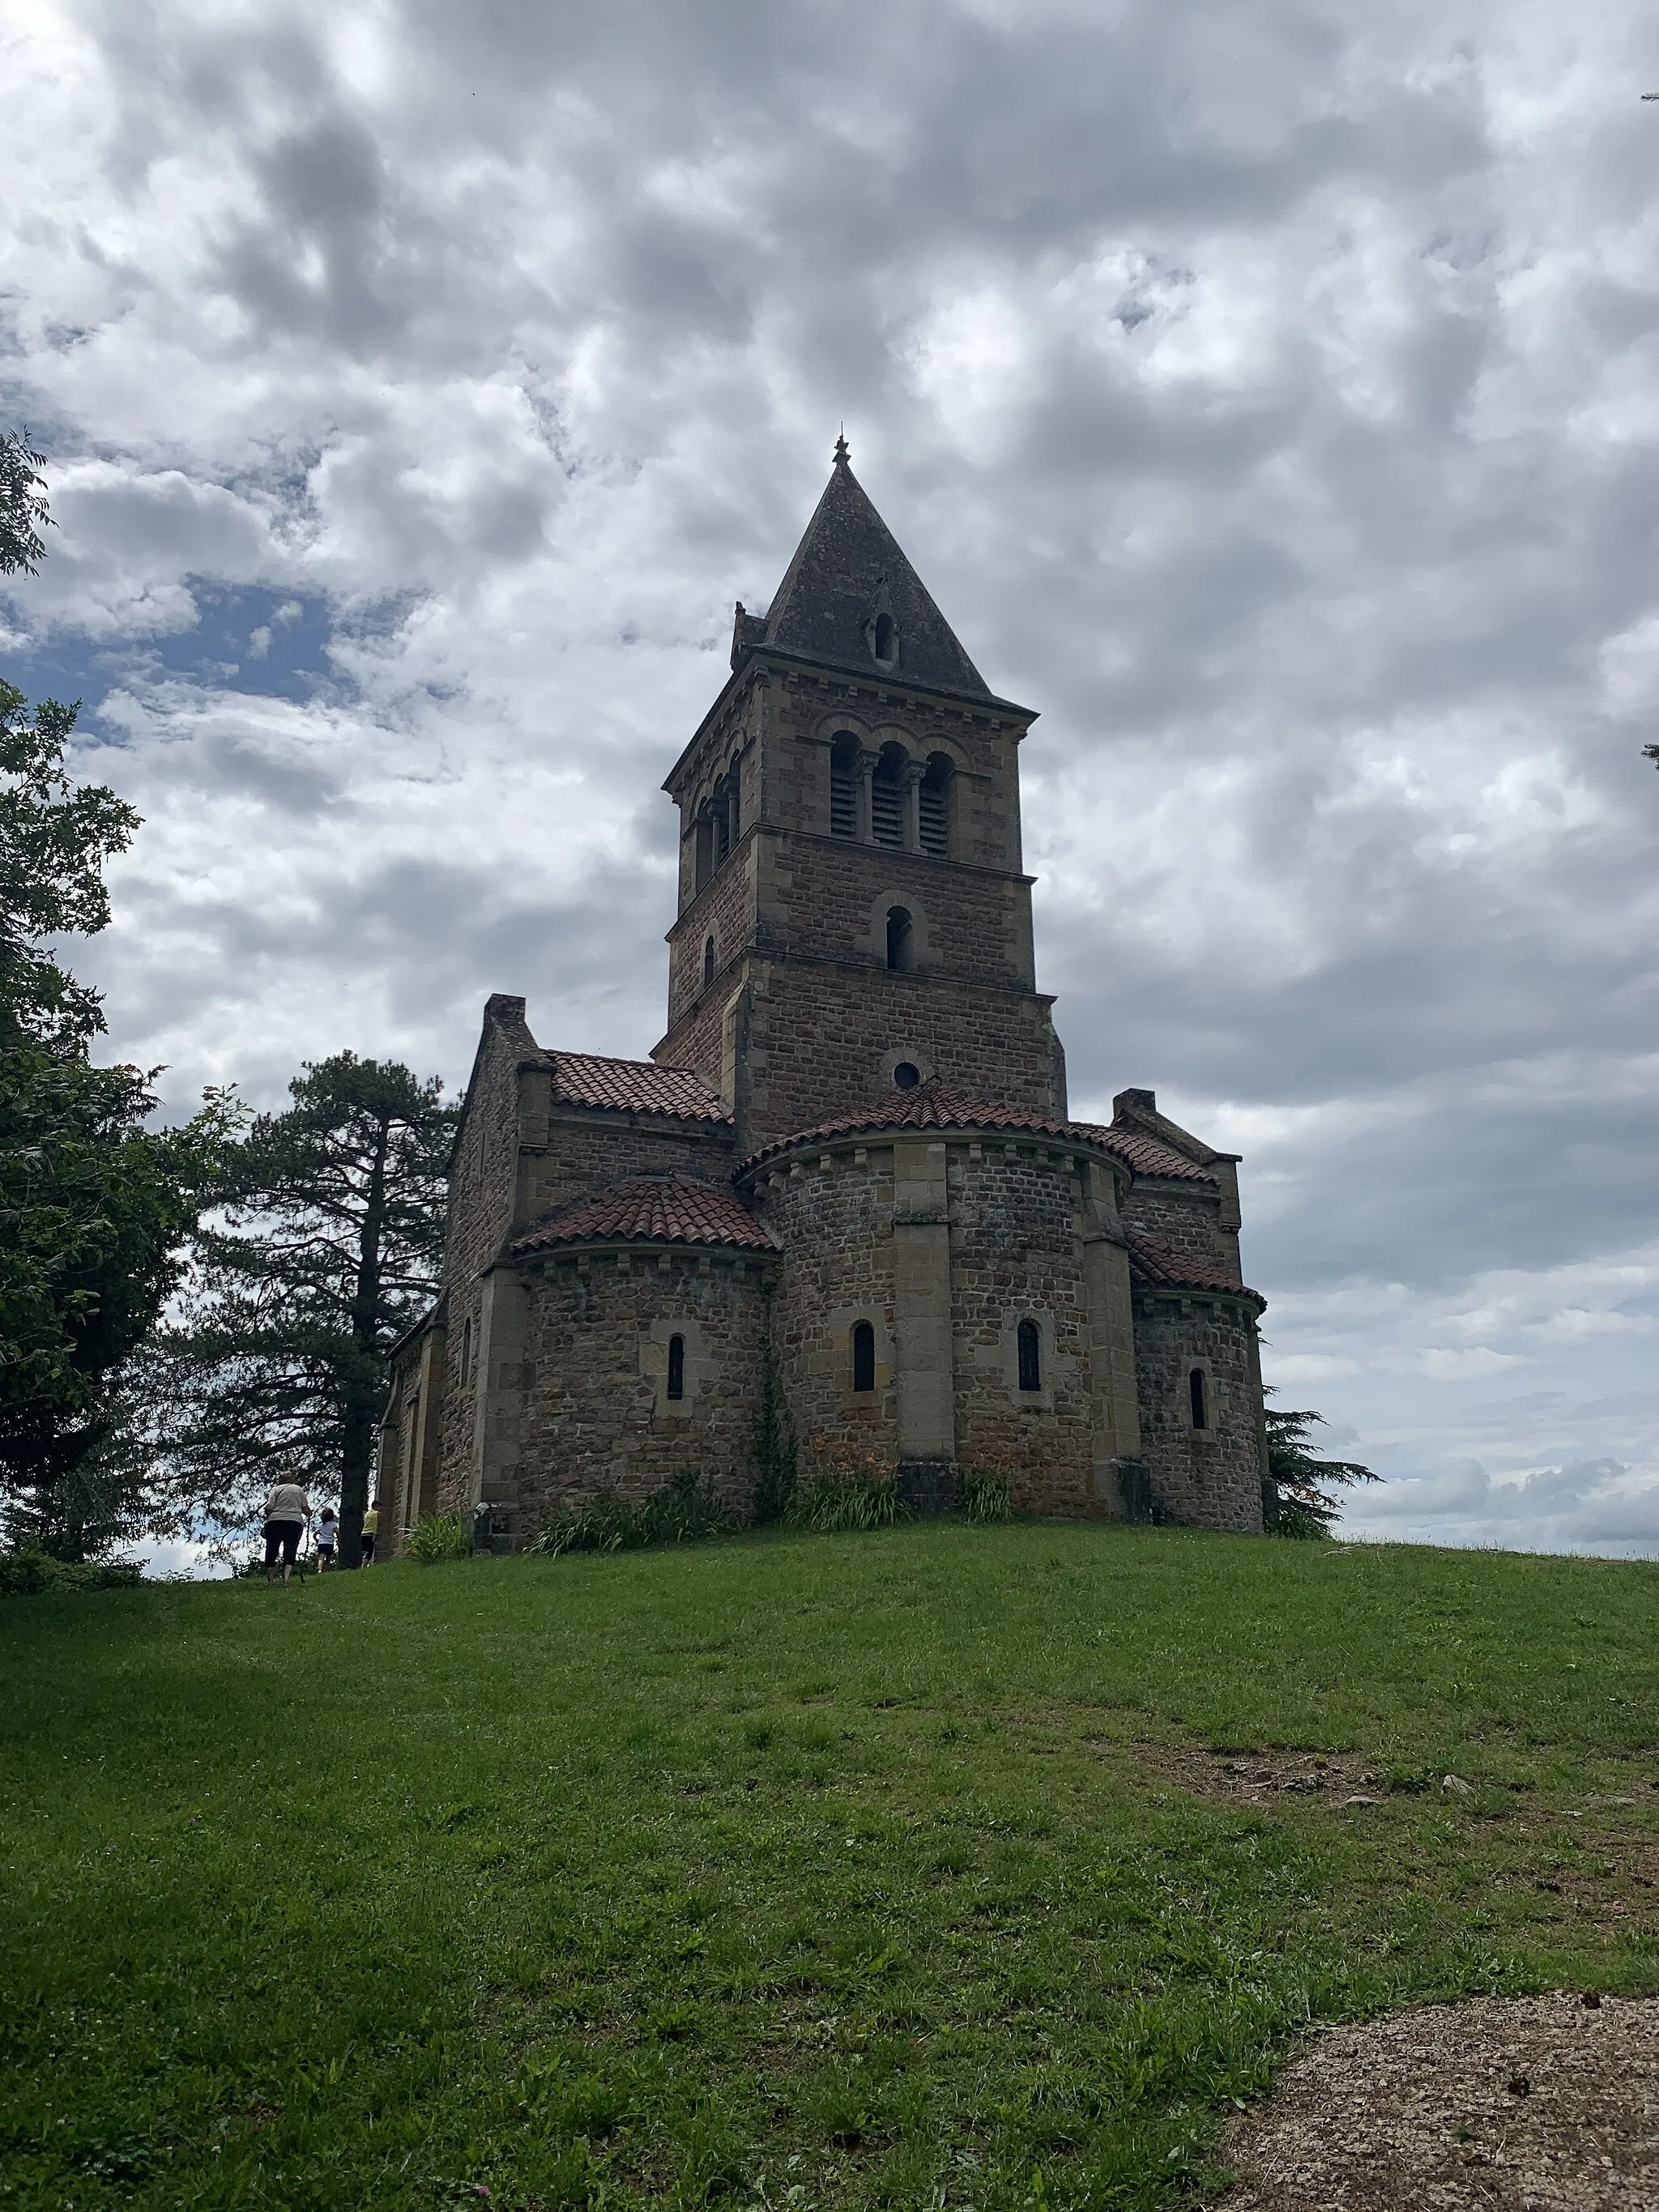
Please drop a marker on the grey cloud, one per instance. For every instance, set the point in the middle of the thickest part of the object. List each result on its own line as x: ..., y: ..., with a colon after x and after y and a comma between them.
x: 1262, y: 394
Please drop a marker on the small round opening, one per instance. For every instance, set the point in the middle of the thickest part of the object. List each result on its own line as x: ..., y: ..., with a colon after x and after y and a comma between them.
x: 907, y: 1075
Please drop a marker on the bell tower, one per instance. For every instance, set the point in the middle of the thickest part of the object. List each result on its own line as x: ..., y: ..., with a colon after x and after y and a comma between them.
x: 854, y: 915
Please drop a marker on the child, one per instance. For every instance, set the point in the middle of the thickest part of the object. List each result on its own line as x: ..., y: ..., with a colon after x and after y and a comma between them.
x: 371, y: 1529
x: 328, y: 1535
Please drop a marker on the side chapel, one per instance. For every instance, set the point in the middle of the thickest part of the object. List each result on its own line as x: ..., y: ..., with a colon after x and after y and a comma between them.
x: 849, y: 1156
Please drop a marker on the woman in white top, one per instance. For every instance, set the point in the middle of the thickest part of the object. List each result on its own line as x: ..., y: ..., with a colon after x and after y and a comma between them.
x: 287, y: 1512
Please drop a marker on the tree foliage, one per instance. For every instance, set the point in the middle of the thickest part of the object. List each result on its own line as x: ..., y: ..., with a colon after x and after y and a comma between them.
x: 1299, y: 1500
x: 23, y: 511
x: 94, y: 1205
x: 325, y: 1248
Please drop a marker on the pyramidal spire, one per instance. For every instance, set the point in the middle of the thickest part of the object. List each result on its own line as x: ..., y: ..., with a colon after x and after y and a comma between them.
x: 850, y: 598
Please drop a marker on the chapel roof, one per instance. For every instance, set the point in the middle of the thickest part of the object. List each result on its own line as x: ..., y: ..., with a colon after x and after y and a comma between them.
x: 931, y: 1105
x: 651, y: 1209
x: 1154, y: 1265
x: 848, y: 569
x: 637, y: 1086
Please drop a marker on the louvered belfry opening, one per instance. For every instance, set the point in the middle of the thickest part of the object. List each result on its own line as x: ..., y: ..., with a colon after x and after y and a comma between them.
x: 844, y: 785
x: 935, y: 798
x: 887, y: 797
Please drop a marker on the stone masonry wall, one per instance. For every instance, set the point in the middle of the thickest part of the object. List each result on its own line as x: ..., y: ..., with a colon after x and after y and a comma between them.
x: 589, y: 1147
x: 836, y: 1225
x: 1183, y: 1218
x: 596, y: 1415
x: 1015, y: 1254
x: 481, y: 1178
x: 818, y: 1037
x: 1211, y: 1478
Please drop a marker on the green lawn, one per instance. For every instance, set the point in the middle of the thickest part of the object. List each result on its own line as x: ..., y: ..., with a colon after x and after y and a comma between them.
x: 881, y: 1870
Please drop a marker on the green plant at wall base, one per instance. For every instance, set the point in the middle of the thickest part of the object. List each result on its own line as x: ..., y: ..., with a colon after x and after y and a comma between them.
x: 772, y: 1452
x: 439, y: 1536
x: 986, y: 1498
x: 687, y: 1511
x: 845, y: 1488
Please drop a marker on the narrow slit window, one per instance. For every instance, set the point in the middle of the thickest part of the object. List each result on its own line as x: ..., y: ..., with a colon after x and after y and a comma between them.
x: 885, y: 640
x: 864, y: 1356
x: 1031, y: 1357
x: 707, y: 961
x: 1196, y: 1399
x: 901, y: 939
x: 844, y: 785
x: 677, y: 1367
x: 466, y: 1353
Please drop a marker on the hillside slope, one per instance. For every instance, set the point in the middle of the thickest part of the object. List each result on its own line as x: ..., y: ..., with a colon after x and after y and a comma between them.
x: 946, y: 1866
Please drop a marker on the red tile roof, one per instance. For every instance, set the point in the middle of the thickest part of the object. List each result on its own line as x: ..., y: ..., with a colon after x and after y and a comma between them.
x: 1155, y: 1266
x: 1148, y: 1156
x: 932, y: 1106
x: 633, y: 1087
x: 654, y: 1209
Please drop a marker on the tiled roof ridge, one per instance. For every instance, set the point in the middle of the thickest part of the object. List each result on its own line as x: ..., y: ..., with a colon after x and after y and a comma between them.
x: 1151, y: 1154
x: 934, y: 1105
x: 638, y: 1086
x: 668, y: 1209
x: 1154, y: 1265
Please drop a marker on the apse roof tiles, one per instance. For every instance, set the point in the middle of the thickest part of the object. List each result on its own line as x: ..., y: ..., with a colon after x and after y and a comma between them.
x: 1154, y: 1265
x: 932, y: 1106
x: 651, y: 1209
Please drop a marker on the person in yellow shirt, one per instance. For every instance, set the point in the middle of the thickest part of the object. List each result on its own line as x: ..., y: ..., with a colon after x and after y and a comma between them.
x: 371, y: 1531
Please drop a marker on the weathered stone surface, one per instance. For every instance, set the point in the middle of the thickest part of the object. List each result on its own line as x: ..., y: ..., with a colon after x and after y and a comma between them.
x: 854, y: 930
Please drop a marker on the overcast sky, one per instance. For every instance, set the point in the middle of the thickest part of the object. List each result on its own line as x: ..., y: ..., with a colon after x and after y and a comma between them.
x: 1269, y: 392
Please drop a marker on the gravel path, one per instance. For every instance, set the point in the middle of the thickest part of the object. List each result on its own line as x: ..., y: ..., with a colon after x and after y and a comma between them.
x: 1546, y: 2104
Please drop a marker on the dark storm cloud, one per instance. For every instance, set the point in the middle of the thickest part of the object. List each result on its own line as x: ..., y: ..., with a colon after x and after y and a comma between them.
x: 1265, y: 394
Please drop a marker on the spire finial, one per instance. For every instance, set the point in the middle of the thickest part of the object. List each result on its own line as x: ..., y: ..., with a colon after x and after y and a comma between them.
x: 842, y: 454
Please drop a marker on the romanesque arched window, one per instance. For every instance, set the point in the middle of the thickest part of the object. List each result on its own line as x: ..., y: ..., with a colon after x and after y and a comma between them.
x: 843, y: 785
x: 934, y: 799
x: 887, y: 796
x: 864, y: 1356
x: 1195, y: 1398
x: 677, y: 1367
x: 1030, y: 1356
x: 901, y: 941
x: 707, y: 961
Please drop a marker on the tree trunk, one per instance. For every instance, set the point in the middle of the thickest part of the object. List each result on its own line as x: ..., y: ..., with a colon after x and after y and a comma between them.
x: 361, y: 1407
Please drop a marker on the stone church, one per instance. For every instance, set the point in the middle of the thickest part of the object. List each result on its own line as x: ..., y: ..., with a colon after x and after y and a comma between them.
x: 849, y: 1163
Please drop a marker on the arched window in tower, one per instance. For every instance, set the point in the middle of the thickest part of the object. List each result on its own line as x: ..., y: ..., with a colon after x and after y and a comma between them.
x: 707, y: 961
x: 677, y: 1367
x: 1195, y: 1398
x: 883, y: 640
x: 901, y: 941
x: 1030, y: 1356
x: 935, y: 797
x: 887, y: 797
x: 864, y: 1356
x: 843, y: 785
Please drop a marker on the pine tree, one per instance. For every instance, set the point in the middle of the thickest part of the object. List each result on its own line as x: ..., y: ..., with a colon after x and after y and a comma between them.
x: 1297, y: 1500
x: 325, y: 1248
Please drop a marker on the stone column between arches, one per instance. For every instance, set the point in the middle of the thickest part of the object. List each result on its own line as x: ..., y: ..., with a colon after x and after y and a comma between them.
x: 922, y: 1316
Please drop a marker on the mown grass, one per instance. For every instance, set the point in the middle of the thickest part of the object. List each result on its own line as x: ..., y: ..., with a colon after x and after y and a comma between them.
x: 793, y: 1871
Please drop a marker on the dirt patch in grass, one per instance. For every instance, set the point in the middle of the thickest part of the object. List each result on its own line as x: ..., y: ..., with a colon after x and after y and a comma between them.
x: 1257, y: 1777
x: 1547, y: 2103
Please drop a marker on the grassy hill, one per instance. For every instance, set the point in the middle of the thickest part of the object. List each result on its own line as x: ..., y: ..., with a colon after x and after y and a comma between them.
x: 948, y: 1866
